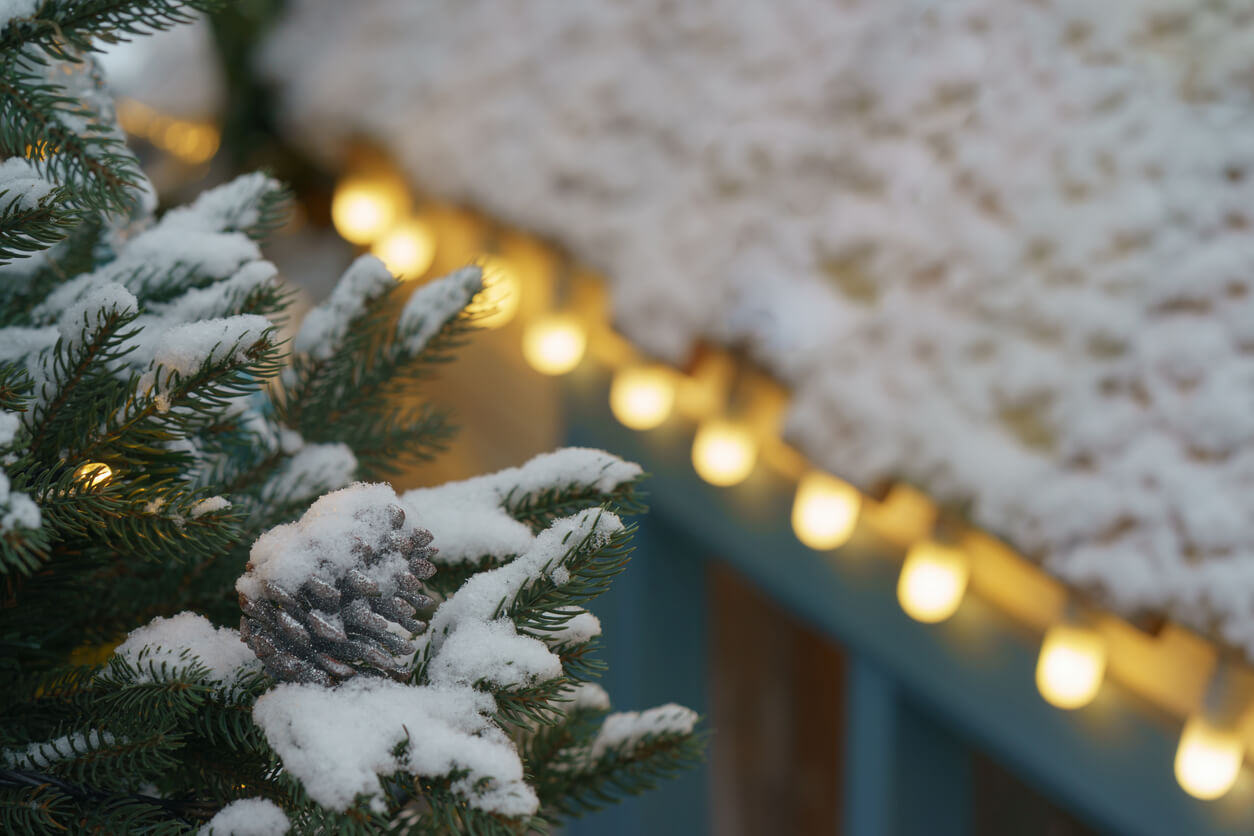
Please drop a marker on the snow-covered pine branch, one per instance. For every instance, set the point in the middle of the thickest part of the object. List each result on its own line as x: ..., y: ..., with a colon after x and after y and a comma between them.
x: 341, y: 367
x: 142, y: 453
x: 486, y: 521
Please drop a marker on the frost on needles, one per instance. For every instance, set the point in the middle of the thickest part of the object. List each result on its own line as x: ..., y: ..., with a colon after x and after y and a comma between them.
x: 420, y: 663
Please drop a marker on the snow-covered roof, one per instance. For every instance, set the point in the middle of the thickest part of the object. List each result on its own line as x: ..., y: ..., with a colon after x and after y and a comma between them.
x: 1000, y: 250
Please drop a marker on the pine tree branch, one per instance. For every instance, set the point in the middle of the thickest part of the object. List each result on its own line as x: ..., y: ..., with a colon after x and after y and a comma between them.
x: 572, y: 782
x: 80, y: 370
x: 92, y: 160
x: 28, y: 229
x: 74, y: 255
x: 539, y: 510
x: 543, y: 605
x: 61, y: 27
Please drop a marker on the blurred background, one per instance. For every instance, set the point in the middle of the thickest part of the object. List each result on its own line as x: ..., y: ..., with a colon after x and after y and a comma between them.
x: 932, y: 322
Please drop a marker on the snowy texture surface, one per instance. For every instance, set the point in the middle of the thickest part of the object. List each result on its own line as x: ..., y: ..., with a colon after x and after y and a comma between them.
x: 625, y: 730
x: 210, y: 505
x: 10, y: 9
x: 478, y: 599
x: 248, y: 817
x: 178, y: 641
x: 323, y: 331
x: 492, y: 652
x: 43, y: 755
x: 84, y: 314
x: 1001, y: 250
x: 17, y: 510
x: 436, y: 303
x: 338, y: 741
x: 10, y: 422
x: 582, y: 627
x: 322, y: 542
x: 20, y: 182
x: 313, y: 469
x: 469, y: 519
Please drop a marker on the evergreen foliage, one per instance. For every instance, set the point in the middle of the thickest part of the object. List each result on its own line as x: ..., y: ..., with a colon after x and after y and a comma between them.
x: 153, y: 426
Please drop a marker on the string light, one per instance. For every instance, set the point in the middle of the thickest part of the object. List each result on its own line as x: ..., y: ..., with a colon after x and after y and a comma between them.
x: 641, y: 397
x: 502, y: 291
x: 1070, y: 668
x: 723, y: 452
x: 1208, y: 759
x: 191, y: 142
x: 93, y: 475
x: 408, y: 249
x: 364, y: 208
x: 825, y: 511
x: 932, y: 582
x: 554, y: 344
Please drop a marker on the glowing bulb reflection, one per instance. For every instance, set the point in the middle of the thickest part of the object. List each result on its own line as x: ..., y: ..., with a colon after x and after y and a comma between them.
x: 1071, y: 665
x: 554, y: 344
x: 93, y: 475
x: 642, y: 397
x: 723, y: 452
x: 408, y: 249
x: 1208, y: 759
x: 825, y: 511
x: 932, y: 582
x: 364, y: 208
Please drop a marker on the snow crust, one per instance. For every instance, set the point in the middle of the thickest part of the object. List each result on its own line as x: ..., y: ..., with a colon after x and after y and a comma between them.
x: 248, y: 817
x: 469, y: 519
x: 230, y: 207
x: 20, y: 182
x: 83, y: 314
x: 10, y: 423
x: 209, y: 505
x: 10, y: 9
x: 494, y: 653
x: 1000, y: 250
x: 311, y: 470
x: 324, y: 328
x: 436, y: 303
x: 176, y: 641
x: 17, y: 510
x: 220, y: 299
x: 43, y: 755
x: 627, y: 729
x: 338, y: 741
x: 588, y: 696
x: 321, y: 542
x: 480, y: 597
x: 582, y: 627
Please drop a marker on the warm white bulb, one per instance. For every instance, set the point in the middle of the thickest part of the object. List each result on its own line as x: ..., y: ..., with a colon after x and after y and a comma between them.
x: 1208, y: 759
x: 407, y: 249
x: 825, y: 511
x: 641, y: 398
x: 93, y: 475
x: 502, y: 291
x: 1070, y: 668
x: 364, y: 208
x: 554, y: 344
x: 723, y: 452
x: 932, y: 582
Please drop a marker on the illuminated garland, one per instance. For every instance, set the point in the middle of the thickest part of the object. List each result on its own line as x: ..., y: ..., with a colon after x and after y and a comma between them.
x: 1175, y: 669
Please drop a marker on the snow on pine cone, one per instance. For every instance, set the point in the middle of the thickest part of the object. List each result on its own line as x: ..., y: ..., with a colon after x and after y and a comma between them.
x: 334, y: 594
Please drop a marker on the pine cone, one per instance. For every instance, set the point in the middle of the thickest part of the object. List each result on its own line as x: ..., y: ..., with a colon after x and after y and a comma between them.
x: 338, y: 624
